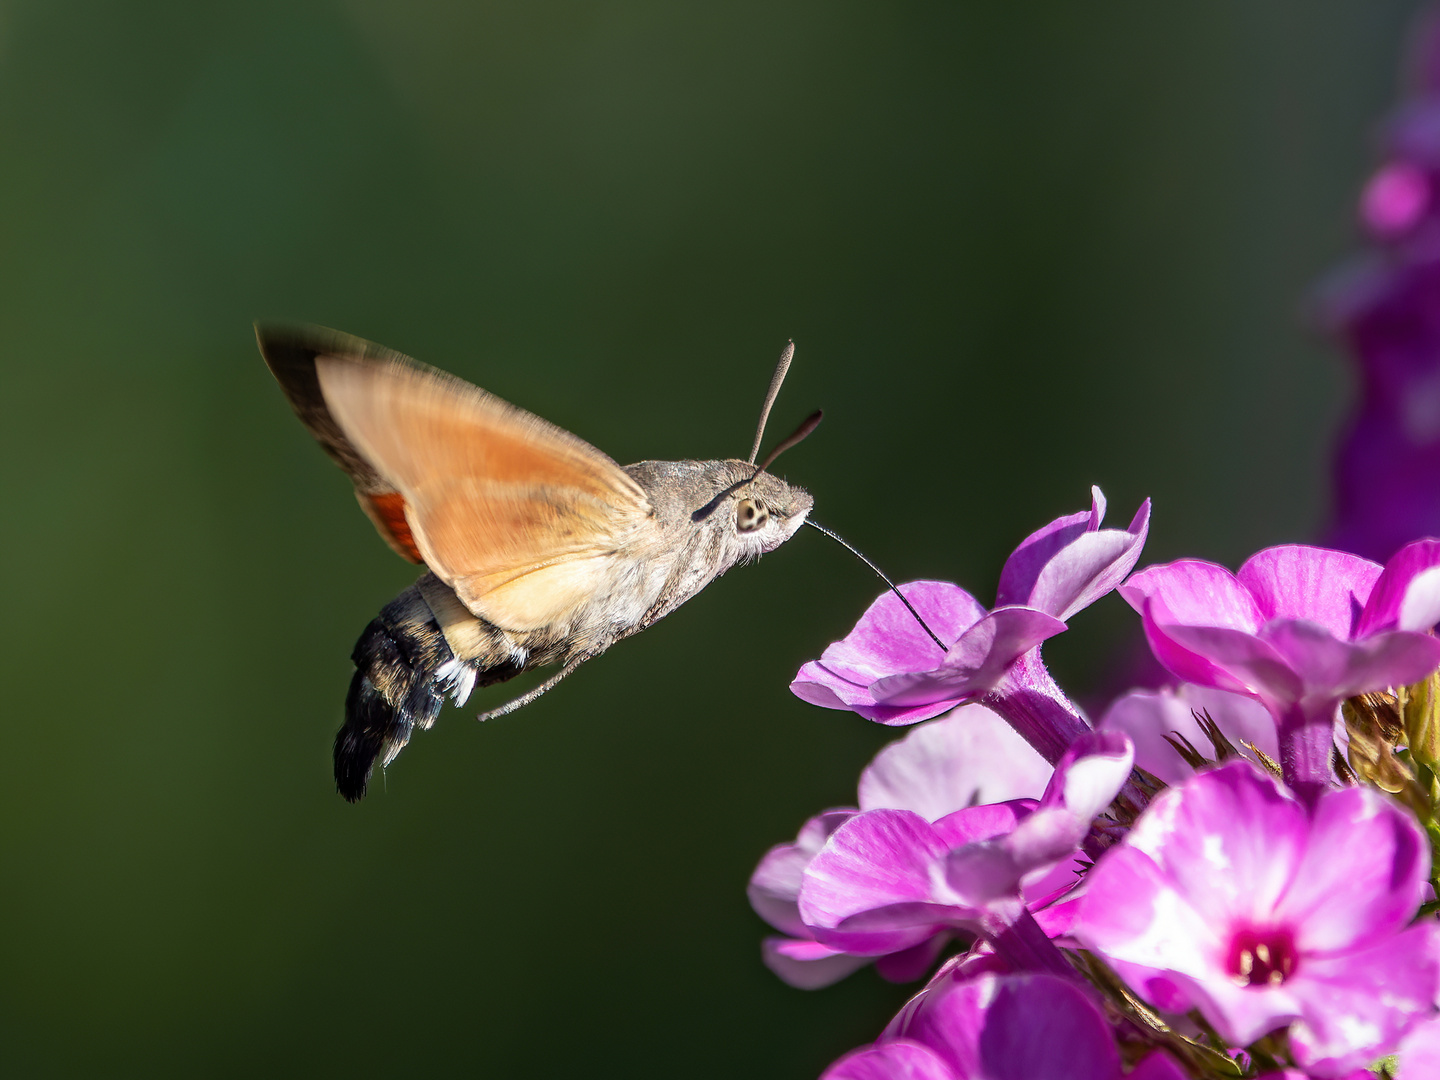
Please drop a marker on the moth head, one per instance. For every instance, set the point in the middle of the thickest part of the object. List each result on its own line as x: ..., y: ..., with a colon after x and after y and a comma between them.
x: 766, y: 511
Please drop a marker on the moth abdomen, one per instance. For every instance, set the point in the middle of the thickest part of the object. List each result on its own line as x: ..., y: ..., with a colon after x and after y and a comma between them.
x: 405, y: 667
x: 394, y: 688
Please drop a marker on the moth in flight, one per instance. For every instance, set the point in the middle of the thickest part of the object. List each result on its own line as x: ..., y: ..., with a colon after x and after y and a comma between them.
x: 538, y: 549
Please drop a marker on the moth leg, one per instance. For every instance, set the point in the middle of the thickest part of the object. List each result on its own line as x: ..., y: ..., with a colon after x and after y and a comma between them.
x: 530, y: 695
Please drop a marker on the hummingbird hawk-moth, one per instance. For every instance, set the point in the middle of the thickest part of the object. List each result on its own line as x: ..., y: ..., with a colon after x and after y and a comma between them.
x: 538, y: 549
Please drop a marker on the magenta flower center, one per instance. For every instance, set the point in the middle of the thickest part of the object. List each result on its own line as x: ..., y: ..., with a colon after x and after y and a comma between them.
x: 1261, y: 957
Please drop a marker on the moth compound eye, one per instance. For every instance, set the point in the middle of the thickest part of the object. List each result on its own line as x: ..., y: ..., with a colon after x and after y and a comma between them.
x: 750, y: 515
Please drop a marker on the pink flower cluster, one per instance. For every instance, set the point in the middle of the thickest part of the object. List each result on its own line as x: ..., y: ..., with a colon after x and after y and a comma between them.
x: 1230, y: 876
x: 1266, y: 910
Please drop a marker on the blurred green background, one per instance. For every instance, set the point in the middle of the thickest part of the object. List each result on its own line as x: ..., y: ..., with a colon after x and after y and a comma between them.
x: 1021, y: 249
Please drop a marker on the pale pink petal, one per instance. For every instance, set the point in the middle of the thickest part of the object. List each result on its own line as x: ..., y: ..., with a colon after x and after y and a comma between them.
x: 775, y: 884
x: 1229, y: 841
x: 1341, y: 669
x: 1085, y: 782
x: 1359, y: 1005
x: 897, y: 1060
x: 1361, y: 876
x: 1420, y: 1052
x: 887, y: 639
x: 1158, y: 1066
x: 975, y: 663
x: 1253, y: 666
x: 869, y: 890
x: 968, y: 757
x: 1148, y: 716
x: 808, y: 965
x: 1196, y: 593
x: 1023, y: 567
x: 1090, y: 774
x: 1407, y: 594
x: 1089, y: 567
x: 1296, y: 581
x: 819, y: 686
x: 1131, y: 914
x: 907, y: 965
x: 1018, y: 1027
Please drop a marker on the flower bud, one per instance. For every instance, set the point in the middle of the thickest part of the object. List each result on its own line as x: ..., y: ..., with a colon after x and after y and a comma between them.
x: 1422, y: 720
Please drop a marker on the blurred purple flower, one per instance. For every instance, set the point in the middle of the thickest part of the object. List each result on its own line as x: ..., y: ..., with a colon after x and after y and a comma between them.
x: 889, y: 670
x: 1299, y: 629
x: 887, y: 880
x: 998, y: 1027
x: 1386, y: 308
x: 1232, y: 897
x: 1147, y: 716
x: 967, y: 758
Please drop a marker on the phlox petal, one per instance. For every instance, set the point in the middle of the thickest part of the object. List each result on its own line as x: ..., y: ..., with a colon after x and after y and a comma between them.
x: 808, y: 965
x: 869, y: 889
x: 1132, y: 914
x: 897, y: 1060
x: 1085, y: 571
x: 1359, y: 1005
x: 1030, y: 1027
x: 1229, y: 841
x: 1193, y: 592
x: 968, y: 757
x: 1148, y: 716
x: 775, y: 885
x: 1320, y: 585
x: 1023, y: 567
x: 1340, y: 669
x: 1253, y: 666
x: 819, y: 685
x: 1420, y: 1052
x: 1407, y: 594
x: 1158, y: 1066
x: 1361, y: 876
x: 975, y: 663
x: 887, y: 639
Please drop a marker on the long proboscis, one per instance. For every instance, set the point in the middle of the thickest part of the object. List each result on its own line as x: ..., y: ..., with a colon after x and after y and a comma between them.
x: 781, y: 368
x: 881, y: 575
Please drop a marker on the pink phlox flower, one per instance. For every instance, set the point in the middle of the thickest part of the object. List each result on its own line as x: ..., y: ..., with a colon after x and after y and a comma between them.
x: 1231, y: 896
x: 998, y: 1027
x: 967, y: 758
x: 889, y: 879
x: 1299, y: 629
x: 1148, y: 716
x: 1420, y: 1052
x: 889, y: 670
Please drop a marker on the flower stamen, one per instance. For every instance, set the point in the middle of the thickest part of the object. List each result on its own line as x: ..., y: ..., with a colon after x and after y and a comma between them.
x: 1261, y: 958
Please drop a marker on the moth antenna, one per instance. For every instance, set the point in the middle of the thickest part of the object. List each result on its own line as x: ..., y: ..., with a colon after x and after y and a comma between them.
x: 770, y: 395
x: 881, y: 575
x: 799, y: 435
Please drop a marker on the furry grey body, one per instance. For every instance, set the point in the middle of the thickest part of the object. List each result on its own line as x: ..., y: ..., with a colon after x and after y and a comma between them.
x: 426, y: 645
